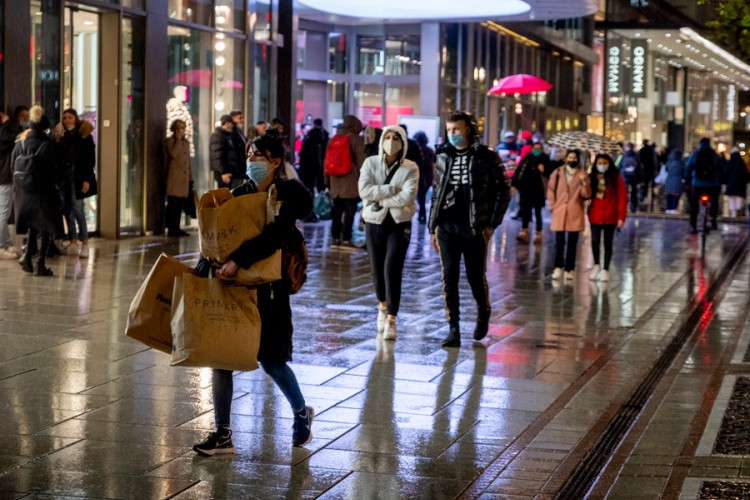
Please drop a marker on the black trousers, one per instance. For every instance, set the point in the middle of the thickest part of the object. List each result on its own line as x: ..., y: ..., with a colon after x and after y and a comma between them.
x: 422, y: 200
x: 386, y: 245
x: 566, y: 257
x: 633, y: 195
x: 38, y: 250
x: 173, y: 213
x: 695, y: 196
x: 596, y: 242
x: 342, y: 215
x: 456, y: 240
x: 526, y: 209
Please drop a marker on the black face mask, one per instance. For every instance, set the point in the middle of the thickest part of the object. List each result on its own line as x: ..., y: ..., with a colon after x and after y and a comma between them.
x: 572, y: 164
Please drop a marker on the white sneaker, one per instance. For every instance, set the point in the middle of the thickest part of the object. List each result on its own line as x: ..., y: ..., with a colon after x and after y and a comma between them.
x: 382, y: 314
x: 72, y: 249
x: 6, y: 254
x: 569, y: 275
x: 389, y: 331
x: 594, y: 273
x: 605, y: 276
x: 557, y: 273
x: 84, y: 254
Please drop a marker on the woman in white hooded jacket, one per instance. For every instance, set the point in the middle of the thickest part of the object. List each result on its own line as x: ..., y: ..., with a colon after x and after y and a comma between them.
x: 388, y: 186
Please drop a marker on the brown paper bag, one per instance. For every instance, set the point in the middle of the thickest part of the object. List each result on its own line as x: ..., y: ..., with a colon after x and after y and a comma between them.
x: 151, y: 309
x: 214, y: 325
x: 263, y: 271
x: 226, y: 222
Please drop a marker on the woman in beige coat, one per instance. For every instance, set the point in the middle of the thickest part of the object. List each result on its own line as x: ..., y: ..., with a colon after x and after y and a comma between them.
x: 568, y: 188
x: 179, y: 177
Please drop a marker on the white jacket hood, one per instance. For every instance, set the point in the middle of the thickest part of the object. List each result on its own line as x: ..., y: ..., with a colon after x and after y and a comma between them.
x: 401, y: 133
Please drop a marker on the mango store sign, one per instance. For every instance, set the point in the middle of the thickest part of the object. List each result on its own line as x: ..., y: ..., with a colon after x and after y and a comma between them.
x: 613, y: 70
x: 638, y: 64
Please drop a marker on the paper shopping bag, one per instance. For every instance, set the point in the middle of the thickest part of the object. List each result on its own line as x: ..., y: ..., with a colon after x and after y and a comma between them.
x: 263, y: 271
x: 214, y: 325
x: 151, y: 309
x: 226, y: 222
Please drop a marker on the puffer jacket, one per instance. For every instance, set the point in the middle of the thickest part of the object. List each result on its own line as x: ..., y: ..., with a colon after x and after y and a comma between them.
x: 398, y: 197
x: 489, y: 186
x: 224, y: 158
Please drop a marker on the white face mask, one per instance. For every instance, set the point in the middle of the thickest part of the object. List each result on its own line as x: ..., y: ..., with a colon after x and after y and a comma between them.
x: 391, y: 146
x: 70, y: 128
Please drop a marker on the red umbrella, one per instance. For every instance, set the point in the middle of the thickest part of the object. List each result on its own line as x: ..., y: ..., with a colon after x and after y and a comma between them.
x: 520, y: 84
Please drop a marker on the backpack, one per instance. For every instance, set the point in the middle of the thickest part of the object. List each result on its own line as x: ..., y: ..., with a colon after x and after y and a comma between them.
x: 704, y: 165
x: 27, y: 169
x: 338, y: 160
x: 294, y: 260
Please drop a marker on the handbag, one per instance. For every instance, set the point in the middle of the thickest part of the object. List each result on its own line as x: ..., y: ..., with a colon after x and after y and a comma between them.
x: 661, y: 178
x: 323, y: 205
x: 151, y: 309
x: 191, y: 203
x: 214, y: 325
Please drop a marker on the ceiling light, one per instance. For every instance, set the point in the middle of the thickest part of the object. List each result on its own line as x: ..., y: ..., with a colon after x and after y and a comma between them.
x: 668, y: 35
x: 420, y: 9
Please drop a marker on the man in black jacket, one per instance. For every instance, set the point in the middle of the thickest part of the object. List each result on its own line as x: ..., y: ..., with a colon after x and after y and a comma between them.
x: 9, y: 130
x: 469, y: 199
x: 228, y: 168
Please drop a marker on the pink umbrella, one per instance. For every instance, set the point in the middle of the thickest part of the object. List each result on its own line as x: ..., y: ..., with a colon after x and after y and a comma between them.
x: 520, y: 84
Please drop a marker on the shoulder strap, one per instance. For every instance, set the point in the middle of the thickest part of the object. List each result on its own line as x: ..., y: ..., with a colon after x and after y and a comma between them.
x: 389, y: 178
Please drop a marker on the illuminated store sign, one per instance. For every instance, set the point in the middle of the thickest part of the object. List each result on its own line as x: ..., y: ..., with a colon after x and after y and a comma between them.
x: 613, y: 70
x: 638, y: 64
x: 731, y: 103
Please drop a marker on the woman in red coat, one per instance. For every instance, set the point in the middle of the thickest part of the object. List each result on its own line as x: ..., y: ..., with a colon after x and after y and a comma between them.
x: 607, y: 211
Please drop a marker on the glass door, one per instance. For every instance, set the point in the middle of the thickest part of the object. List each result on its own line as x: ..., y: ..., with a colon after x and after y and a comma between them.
x: 81, y: 79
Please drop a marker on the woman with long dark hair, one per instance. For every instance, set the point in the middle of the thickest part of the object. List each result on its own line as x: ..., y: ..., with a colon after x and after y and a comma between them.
x: 607, y: 212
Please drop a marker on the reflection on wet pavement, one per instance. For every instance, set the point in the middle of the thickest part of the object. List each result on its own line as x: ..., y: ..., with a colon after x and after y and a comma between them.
x: 87, y: 412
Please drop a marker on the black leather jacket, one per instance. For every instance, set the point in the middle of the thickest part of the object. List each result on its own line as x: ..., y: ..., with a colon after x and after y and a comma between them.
x: 489, y: 193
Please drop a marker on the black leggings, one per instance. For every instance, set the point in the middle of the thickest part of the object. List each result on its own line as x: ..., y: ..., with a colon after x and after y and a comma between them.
x: 566, y: 256
x: 596, y: 242
x: 526, y: 209
x: 387, y: 244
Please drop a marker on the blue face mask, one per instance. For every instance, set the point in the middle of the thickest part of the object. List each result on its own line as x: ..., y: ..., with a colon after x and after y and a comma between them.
x: 257, y: 170
x: 602, y: 168
x: 456, y: 140
x: 25, y: 125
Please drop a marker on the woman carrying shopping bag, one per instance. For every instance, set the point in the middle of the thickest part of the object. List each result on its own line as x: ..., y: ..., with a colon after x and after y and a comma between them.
x: 266, y: 156
x: 388, y: 187
x: 569, y: 187
x: 607, y: 212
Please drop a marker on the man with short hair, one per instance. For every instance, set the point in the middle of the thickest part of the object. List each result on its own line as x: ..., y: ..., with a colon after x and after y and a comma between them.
x: 228, y: 168
x: 703, y: 175
x: 469, y: 199
x: 239, y: 140
x: 631, y: 170
x: 9, y: 131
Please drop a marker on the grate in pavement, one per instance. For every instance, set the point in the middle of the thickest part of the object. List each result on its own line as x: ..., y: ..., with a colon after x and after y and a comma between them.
x: 734, y: 436
x: 724, y: 490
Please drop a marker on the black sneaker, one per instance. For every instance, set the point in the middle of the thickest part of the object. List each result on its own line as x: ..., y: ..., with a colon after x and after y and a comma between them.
x: 216, y: 442
x: 302, y: 429
x: 453, y: 339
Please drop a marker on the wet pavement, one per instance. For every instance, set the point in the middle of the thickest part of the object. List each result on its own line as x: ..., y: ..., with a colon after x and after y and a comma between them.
x: 88, y: 412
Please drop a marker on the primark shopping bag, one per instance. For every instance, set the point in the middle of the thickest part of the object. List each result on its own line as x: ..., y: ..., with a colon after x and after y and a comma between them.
x: 150, y: 311
x: 226, y: 222
x: 267, y: 270
x: 214, y: 325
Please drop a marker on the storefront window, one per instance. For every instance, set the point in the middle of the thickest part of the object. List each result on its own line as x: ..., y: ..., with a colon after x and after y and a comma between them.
x: 261, y: 95
x: 135, y: 4
x: 368, y: 104
x: 370, y: 55
x: 190, y: 95
x: 45, y: 63
x: 402, y: 56
x: 337, y: 93
x: 131, y: 129
x: 337, y: 52
x: 229, y: 15
x: 262, y: 12
x: 301, y: 47
x: 194, y: 11
x: 401, y: 100
x: 229, y: 77
x: 450, y: 54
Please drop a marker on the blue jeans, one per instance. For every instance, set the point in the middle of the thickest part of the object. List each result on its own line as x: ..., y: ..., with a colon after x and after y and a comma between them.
x: 222, y: 388
x: 76, y: 215
x: 6, y: 203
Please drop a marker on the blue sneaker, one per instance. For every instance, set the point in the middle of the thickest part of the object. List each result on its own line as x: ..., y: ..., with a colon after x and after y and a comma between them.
x: 302, y: 429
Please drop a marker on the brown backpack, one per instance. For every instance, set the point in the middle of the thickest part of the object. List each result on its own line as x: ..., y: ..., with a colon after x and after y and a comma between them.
x: 294, y: 261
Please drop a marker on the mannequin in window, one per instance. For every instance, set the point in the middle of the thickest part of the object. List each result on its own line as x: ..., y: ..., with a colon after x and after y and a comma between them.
x: 178, y: 110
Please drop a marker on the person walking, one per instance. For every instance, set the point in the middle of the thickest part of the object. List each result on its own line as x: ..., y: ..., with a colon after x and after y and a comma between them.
x: 649, y: 161
x: 529, y: 179
x: 568, y: 188
x: 703, y: 175
x: 80, y: 158
x: 674, y: 186
x: 228, y: 168
x: 311, y: 157
x: 469, y: 198
x: 607, y: 212
x: 10, y: 129
x: 348, y: 147
x: 179, y: 178
x: 388, y: 187
x: 736, y: 178
x: 631, y: 170
x: 266, y: 156
x: 37, y: 203
x: 426, y: 167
